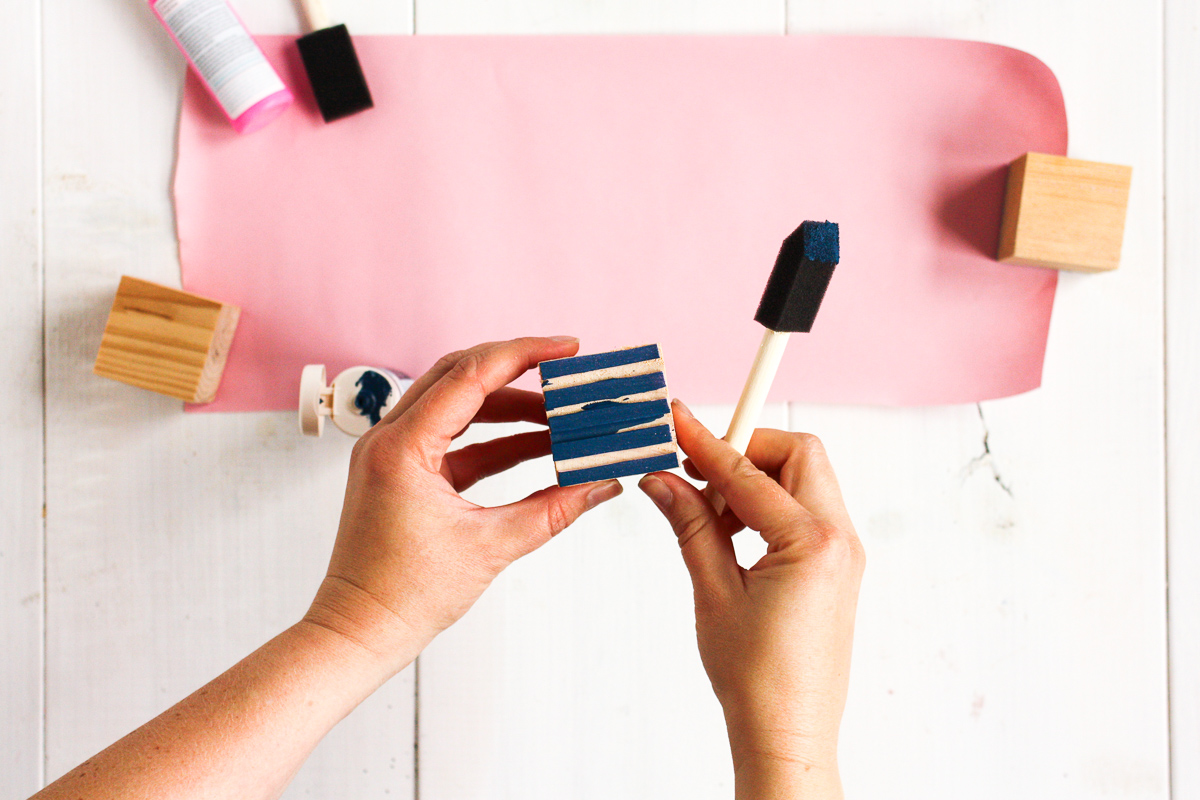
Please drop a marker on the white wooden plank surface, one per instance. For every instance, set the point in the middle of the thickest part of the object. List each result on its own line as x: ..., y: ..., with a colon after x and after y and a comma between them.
x: 360, y: 16
x: 176, y: 543
x: 21, y: 473
x: 1183, y: 388
x: 599, y: 16
x: 1005, y: 594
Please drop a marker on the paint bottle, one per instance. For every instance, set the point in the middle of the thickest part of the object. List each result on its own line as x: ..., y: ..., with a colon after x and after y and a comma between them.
x: 356, y: 400
x: 228, y: 61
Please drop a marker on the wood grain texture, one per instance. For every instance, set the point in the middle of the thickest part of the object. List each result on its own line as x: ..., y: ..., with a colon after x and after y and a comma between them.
x: 176, y: 543
x: 166, y: 340
x: 1064, y: 213
x: 1012, y: 620
x: 1183, y: 389
x: 21, y: 468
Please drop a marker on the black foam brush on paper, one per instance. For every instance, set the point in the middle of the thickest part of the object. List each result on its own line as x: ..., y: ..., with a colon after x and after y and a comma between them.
x: 332, y: 65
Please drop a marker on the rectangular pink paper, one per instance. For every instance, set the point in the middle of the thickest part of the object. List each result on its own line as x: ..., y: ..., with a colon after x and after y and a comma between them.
x: 629, y: 190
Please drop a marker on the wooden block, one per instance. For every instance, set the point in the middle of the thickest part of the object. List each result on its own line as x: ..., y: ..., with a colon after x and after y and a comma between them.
x: 609, y: 415
x: 1064, y: 213
x: 165, y: 340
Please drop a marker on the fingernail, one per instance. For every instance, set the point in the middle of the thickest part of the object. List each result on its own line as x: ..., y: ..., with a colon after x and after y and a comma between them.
x: 682, y: 408
x: 564, y: 338
x: 657, y: 491
x: 605, y: 491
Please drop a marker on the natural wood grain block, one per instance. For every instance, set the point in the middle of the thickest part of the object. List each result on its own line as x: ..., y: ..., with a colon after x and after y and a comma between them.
x: 1064, y: 213
x: 165, y: 340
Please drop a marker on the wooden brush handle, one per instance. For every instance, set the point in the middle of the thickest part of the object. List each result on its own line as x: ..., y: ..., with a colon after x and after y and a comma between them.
x: 316, y: 14
x: 754, y: 396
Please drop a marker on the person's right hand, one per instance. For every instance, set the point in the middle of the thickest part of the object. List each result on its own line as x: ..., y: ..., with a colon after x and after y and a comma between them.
x: 775, y: 638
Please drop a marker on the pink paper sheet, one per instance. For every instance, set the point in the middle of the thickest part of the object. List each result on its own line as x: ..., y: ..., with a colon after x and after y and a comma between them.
x: 630, y: 190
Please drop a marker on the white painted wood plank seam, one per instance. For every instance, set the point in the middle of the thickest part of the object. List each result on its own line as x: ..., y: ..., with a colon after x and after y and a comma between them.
x: 40, y: 123
x: 22, y: 488
x: 1181, y: 293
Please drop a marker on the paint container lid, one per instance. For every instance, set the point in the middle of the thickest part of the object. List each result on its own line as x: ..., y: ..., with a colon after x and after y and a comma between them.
x: 314, y: 403
x: 358, y: 397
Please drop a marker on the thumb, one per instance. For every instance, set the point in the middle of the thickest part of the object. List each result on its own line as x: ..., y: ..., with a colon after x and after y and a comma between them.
x: 707, y: 549
x: 547, y: 513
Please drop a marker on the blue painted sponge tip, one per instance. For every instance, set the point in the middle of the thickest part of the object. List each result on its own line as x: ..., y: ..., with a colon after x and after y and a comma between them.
x: 820, y: 240
x: 800, y: 277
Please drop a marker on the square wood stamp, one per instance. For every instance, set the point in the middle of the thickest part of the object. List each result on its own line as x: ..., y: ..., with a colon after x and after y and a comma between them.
x: 165, y: 340
x: 609, y: 415
x: 1064, y: 213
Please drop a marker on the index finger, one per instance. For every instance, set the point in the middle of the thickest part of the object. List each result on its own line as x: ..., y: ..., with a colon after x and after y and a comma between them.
x: 454, y: 400
x: 757, y: 500
x: 431, y: 376
x: 804, y: 470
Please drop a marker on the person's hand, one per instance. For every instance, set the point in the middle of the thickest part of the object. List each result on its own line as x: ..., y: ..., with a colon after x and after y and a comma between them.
x: 775, y: 638
x: 411, y: 554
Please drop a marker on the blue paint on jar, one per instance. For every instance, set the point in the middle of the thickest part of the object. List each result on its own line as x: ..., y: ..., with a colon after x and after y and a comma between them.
x: 374, y: 391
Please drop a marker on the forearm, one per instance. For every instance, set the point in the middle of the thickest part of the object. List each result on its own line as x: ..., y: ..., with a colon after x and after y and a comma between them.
x: 243, y: 735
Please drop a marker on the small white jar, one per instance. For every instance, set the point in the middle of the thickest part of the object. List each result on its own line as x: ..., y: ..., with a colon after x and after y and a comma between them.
x: 356, y: 400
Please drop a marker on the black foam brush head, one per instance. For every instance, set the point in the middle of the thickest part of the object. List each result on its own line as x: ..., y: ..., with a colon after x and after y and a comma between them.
x: 800, y: 277
x: 334, y: 72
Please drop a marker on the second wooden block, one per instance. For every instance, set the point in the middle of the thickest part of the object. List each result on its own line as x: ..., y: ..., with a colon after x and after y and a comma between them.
x: 165, y: 340
x: 1064, y: 213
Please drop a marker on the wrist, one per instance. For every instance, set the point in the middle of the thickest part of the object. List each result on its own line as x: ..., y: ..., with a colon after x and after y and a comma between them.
x: 770, y: 776
x: 772, y: 760
x: 379, y: 637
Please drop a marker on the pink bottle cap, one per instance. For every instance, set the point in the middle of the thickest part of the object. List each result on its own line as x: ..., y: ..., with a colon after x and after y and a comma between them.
x: 263, y: 112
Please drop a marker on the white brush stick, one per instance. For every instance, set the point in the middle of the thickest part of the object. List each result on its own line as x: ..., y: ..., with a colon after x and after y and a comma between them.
x: 754, y: 397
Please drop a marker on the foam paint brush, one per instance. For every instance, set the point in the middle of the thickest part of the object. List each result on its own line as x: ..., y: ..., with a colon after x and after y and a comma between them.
x: 332, y: 65
x: 789, y: 305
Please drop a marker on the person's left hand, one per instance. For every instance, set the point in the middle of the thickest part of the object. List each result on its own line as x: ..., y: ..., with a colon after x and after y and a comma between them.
x: 411, y: 554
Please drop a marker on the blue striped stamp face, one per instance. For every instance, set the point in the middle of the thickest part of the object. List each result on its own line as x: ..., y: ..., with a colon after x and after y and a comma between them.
x: 609, y: 415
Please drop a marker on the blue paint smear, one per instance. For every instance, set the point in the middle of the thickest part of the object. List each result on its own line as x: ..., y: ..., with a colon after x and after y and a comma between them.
x: 609, y: 389
x: 605, y: 417
x: 373, y: 395
x: 621, y: 469
x: 569, y: 366
x: 628, y: 440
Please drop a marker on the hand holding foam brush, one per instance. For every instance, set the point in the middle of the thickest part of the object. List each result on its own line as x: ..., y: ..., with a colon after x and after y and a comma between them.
x: 789, y: 305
